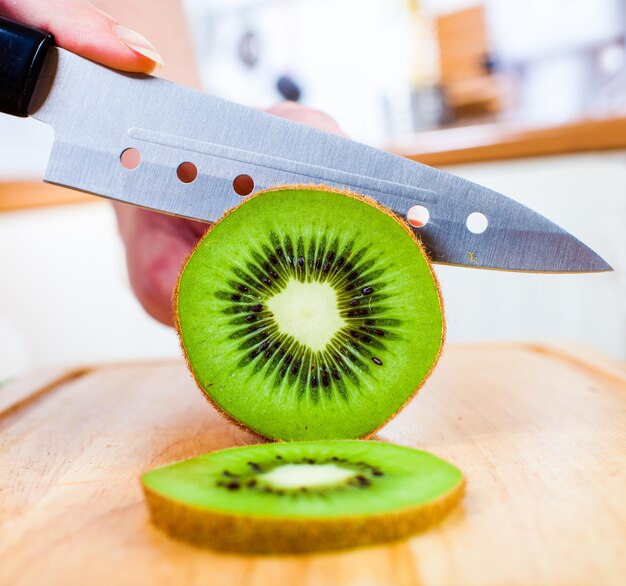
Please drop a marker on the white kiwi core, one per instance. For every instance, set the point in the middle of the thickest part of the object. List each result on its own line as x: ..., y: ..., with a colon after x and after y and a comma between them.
x: 308, y: 312
x: 306, y: 475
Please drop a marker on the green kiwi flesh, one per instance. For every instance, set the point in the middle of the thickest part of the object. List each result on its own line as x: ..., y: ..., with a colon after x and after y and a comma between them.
x: 302, y: 496
x: 307, y: 313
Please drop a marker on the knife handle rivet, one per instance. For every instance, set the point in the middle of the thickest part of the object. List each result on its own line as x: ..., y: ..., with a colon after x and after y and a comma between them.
x: 477, y: 223
x: 130, y: 159
x: 418, y: 216
x: 243, y: 185
x: 187, y: 172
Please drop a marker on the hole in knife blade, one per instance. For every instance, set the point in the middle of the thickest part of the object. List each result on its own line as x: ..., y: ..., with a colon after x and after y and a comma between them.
x: 477, y: 223
x: 130, y: 159
x: 243, y: 185
x: 187, y: 172
x: 418, y: 216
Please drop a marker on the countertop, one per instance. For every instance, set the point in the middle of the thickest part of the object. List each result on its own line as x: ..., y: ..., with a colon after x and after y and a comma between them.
x: 539, y: 432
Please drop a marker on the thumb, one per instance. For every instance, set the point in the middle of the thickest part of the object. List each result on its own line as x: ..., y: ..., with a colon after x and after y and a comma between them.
x: 80, y: 27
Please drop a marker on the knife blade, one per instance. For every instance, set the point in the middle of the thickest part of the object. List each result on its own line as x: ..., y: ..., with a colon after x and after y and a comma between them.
x: 98, y: 113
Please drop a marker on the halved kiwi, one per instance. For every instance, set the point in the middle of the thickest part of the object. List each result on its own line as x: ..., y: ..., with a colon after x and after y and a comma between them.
x: 308, y: 313
x: 302, y: 496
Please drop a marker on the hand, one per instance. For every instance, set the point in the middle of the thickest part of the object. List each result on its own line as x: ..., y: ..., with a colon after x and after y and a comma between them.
x: 80, y: 27
x: 157, y: 245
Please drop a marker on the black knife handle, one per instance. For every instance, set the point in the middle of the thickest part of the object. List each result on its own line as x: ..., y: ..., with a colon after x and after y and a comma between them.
x: 23, y: 51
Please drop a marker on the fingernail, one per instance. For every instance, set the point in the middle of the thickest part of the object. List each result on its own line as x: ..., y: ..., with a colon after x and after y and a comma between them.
x: 139, y: 44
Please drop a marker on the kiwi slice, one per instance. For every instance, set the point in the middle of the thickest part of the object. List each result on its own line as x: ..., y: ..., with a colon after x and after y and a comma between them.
x: 302, y: 496
x: 307, y: 313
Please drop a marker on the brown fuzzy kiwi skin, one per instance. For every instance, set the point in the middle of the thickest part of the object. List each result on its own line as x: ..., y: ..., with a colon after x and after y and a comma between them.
x: 249, y: 534
x: 347, y: 193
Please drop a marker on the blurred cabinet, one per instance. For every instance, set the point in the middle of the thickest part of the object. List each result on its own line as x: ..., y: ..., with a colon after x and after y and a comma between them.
x: 470, y: 88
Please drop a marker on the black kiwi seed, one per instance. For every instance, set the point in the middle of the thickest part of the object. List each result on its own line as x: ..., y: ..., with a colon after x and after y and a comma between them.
x: 336, y: 374
x: 300, y: 261
x: 380, y: 333
x: 325, y: 268
x: 367, y: 290
x: 229, y: 474
x: 266, y: 281
x: 377, y: 361
x: 376, y: 472
x: 314, y: 381
x: 257, y: 308
x: 353, y: 302
x: 362, y: 480
x: 254, y: 466
x: 234, y: 485
x: 358, y: 312
x: 288, y: 247
x: 251, y: 317
x: 243, y: 288
x: 235, y: 297
x: 251, y: 482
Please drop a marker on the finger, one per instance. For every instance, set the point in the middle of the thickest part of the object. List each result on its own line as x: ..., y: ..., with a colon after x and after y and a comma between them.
x: 80, y: 27
x: 156, y: 249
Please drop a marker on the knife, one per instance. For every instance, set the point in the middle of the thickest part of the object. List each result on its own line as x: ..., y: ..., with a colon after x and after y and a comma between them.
x: 98, y: 114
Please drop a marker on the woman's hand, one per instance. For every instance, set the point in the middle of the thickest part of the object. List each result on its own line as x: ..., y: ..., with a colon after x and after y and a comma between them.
x: 157, y: 245
x: 80, y: 27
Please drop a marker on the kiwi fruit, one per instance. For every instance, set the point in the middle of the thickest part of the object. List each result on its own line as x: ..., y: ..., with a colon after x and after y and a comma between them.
x: 302, y: 496
x: 308, y: 313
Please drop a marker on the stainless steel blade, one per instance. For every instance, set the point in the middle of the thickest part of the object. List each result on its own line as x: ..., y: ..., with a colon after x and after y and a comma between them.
x: 97, y: 113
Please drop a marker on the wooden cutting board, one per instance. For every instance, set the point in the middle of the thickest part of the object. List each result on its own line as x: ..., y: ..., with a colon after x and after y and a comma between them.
x: 539, y: 432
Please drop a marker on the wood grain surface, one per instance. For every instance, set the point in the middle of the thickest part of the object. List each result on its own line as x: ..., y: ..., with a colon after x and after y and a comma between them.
x: 539, y: 432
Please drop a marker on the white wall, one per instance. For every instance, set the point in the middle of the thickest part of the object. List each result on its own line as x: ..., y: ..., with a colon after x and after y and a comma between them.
x: 352, y: 59
x: 64, y: 296
x: 586, y: 194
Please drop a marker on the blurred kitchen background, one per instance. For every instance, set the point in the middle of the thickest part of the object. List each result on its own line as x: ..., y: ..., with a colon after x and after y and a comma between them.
x: 527, y: 97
